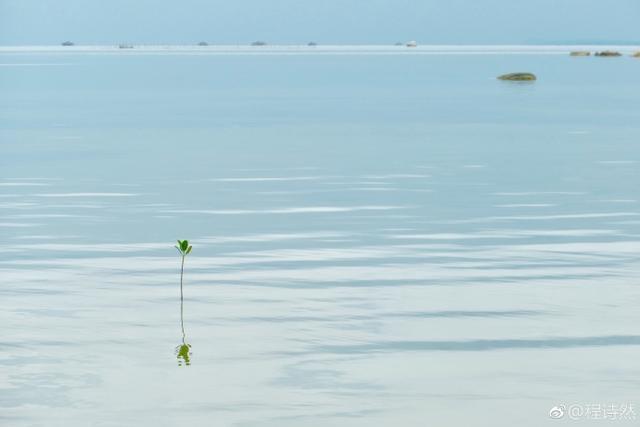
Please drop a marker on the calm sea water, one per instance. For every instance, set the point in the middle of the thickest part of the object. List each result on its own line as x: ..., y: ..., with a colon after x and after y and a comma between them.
x: 378, y: 239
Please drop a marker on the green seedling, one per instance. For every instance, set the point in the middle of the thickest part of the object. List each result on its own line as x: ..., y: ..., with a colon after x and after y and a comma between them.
x: 183, y: 351
x: 184, y: 248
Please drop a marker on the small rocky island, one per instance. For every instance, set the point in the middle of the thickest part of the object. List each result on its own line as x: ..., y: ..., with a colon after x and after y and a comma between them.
x: 67, y: 43
x: 580, y: 53
x: 518, y: 77
x: 636, y: 55
x: 259, y: 43
x: 608, y: 53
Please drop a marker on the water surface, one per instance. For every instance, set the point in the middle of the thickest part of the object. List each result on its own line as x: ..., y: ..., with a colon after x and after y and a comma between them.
x: 378, y: 239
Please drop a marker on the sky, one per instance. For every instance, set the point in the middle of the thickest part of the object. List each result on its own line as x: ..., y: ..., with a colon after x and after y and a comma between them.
x: 29, y: 22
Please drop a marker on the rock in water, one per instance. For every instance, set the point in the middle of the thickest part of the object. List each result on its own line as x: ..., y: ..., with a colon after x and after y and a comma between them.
x: 636, y: 55
x: 580, y: 53
x: 608, y: 53
x: 520, y: 77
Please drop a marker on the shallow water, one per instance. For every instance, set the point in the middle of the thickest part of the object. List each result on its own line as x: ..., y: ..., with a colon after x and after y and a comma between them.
x: 378, y: 240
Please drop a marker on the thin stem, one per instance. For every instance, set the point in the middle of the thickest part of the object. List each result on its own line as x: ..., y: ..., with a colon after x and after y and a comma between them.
x: 182, y: 300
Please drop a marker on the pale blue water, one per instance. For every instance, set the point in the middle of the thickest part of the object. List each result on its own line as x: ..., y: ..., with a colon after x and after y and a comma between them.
x: 378, y: 240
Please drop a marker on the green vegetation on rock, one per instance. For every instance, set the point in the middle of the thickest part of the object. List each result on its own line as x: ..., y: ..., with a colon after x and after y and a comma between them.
x: 520, y: 77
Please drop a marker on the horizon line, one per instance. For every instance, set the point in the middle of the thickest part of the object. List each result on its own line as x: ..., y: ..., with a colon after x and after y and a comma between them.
x: 315, y: 44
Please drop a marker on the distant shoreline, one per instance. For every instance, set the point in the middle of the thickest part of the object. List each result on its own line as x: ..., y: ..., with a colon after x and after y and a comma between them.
x: 318, y: 49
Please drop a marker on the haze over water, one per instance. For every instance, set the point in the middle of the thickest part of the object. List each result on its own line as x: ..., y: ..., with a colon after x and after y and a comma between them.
x: 378, y: 239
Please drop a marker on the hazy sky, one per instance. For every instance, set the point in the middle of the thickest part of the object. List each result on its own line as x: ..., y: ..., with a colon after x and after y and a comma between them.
x: 324, y: 21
